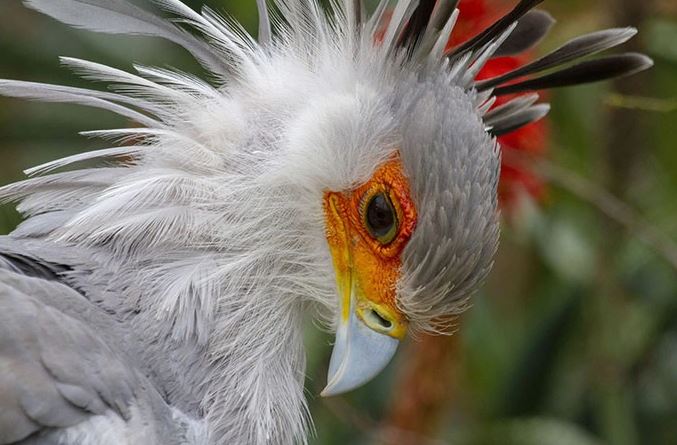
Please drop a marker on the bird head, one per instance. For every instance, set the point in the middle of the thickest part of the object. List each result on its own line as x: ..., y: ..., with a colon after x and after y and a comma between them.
x: 401, y: 147
x: 406, y: 176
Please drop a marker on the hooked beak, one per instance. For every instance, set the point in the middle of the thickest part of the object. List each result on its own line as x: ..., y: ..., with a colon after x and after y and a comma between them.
x: 359, y: 354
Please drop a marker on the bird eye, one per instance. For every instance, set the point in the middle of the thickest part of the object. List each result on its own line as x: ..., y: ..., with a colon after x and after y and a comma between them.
x: 380, y: 218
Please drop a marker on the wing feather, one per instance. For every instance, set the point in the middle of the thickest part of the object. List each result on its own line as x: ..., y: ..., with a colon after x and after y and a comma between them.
x: 50, y: 360
x: 66, y: 365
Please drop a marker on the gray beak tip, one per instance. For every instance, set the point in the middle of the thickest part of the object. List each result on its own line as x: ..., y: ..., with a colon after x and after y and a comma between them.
x: 358, y: 356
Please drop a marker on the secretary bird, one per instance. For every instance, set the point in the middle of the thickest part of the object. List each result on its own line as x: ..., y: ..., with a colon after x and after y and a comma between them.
x: 344, y: 164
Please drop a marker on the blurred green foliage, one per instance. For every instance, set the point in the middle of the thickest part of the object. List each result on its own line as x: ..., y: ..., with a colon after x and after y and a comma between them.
x: 573, y: 340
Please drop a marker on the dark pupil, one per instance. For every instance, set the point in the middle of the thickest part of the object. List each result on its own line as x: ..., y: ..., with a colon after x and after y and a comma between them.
x: 380, y: 215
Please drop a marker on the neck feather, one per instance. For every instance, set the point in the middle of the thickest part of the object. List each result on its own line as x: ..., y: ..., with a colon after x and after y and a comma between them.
x: 215, y: 293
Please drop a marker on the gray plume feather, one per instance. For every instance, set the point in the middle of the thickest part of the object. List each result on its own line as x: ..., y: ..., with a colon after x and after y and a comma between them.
x: 510, y: 107
x: 90, y: 98
x: 530, y: 30
x: 87, y: 156
x: 519, y: 118
x: 488, y: 35
x: 265, y: 32
x: 582, y: 46
x: 121, y: 17
x: 588, y: 71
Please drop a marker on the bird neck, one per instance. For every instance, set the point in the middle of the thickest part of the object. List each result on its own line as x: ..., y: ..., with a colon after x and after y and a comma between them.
x: 230, y: 319
x: 221, y: 333
x: 256, y: 368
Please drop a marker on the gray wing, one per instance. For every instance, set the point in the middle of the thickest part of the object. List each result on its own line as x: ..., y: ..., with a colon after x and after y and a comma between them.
x: 62, y: 363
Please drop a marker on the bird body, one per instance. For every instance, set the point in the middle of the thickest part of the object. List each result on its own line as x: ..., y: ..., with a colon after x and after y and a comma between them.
x: 160, y: 299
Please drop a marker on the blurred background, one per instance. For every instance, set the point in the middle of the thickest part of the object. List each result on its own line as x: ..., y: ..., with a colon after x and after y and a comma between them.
x: 574, y: 338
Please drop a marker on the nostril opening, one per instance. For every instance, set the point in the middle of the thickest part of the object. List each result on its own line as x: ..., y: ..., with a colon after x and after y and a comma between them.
x: 387, y: 324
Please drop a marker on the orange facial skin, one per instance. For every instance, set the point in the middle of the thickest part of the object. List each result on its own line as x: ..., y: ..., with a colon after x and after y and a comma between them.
x: 363, y: 264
